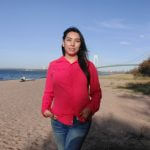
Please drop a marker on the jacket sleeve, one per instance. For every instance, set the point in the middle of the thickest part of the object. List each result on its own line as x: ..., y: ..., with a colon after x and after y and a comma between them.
x: 95, y: 92
x: 48, y: 91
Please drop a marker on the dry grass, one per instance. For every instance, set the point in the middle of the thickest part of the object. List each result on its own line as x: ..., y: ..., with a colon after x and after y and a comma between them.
x: 129, y: 82
x: 126, y: 77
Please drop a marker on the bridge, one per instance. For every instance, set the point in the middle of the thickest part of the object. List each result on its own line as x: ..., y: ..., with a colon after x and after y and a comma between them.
x: 117, y: 65
x: 96, y: 63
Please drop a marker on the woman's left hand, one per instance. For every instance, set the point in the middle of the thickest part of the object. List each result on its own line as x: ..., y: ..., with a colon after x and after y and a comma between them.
x: 86, y: 113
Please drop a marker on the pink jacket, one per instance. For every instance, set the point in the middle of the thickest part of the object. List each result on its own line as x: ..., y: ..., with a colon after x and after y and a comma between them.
x: 66, y: 93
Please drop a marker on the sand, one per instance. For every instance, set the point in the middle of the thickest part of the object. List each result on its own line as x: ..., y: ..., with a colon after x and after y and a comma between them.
x: 122, y: 122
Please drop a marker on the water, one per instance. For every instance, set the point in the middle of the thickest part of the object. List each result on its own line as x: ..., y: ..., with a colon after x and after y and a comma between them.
x: 16, y: 74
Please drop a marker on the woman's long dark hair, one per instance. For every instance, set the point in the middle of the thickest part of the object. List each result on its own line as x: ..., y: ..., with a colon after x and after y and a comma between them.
x: 82, y: 53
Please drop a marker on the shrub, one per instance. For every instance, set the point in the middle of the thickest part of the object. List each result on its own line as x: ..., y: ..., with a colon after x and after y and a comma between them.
x: 144, y: 67
x: 135, y: 72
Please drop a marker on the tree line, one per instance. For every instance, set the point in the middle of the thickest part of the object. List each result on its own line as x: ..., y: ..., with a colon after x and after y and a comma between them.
x: 143, y: 69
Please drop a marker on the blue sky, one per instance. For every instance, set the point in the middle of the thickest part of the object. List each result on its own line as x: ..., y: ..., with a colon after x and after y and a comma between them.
x: 117, y: 31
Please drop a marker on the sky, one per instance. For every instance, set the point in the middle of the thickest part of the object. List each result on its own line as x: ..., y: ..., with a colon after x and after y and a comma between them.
x: 115, y: 31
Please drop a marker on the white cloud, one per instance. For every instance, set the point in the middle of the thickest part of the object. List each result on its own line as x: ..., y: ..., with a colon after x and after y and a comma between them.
x: 99, y: 26
x: 90, y: 28
x: 141, y: 36
x: 124, y: 43
x: 114, y: 24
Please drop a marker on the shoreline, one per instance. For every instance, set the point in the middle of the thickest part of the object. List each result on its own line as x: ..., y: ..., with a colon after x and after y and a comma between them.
x: 32, y: 79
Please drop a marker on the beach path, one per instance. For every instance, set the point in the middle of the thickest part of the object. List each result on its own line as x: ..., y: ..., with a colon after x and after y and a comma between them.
x: 123, y: 119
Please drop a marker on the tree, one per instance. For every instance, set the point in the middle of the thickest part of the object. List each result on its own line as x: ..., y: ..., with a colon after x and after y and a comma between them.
x: 144, y: 67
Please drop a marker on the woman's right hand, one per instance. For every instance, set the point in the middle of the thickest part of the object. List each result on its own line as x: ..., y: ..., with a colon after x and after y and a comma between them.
x: 47, y: 114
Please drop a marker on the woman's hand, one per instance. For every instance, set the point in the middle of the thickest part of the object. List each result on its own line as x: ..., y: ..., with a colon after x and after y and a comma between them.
x: 47, y: 114
x: 86, y: 113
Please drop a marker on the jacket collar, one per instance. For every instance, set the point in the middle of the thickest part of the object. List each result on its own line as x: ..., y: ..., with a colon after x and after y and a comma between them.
x: 63, y: 59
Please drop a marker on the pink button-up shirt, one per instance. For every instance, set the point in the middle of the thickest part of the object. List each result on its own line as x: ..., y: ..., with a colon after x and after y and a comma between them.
x: 66, y: 93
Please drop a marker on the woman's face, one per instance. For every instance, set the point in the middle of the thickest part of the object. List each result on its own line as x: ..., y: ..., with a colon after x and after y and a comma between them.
x: 72, y: 43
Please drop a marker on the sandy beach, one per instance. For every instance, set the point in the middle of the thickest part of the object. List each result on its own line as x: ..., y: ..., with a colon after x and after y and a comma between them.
x: 122, y: 122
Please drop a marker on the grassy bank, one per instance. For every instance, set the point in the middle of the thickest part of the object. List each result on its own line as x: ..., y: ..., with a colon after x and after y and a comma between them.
x: 129, y: 82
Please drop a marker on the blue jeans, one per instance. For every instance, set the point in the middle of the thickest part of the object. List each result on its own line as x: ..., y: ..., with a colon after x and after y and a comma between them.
x: 70, y: 137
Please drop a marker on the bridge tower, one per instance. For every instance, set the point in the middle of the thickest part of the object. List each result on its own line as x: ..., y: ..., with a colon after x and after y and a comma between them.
x: 96, y: 61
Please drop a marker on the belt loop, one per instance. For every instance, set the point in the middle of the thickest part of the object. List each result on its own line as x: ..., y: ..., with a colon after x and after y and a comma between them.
x: 77, y: 118
x: 74, y: 119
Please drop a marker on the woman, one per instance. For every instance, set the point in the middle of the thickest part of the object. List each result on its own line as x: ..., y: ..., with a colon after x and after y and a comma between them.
x: 72, y: 92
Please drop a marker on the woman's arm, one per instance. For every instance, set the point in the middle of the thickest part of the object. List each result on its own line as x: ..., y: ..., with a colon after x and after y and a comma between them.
x: 48, y: 91
x: 95, y: 92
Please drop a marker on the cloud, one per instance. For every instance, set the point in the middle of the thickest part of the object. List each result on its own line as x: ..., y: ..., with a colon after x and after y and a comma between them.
x: 141, y: 36
x: 90, y: 28
x: 114, y: 24
x: 99, y: 26
x: 124, y: 43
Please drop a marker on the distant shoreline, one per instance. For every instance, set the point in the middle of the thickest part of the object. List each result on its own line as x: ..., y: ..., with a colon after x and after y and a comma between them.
x: 17, y: 74
x: 19, y: 79
x: 100, y: 75
x: 22, y: 69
